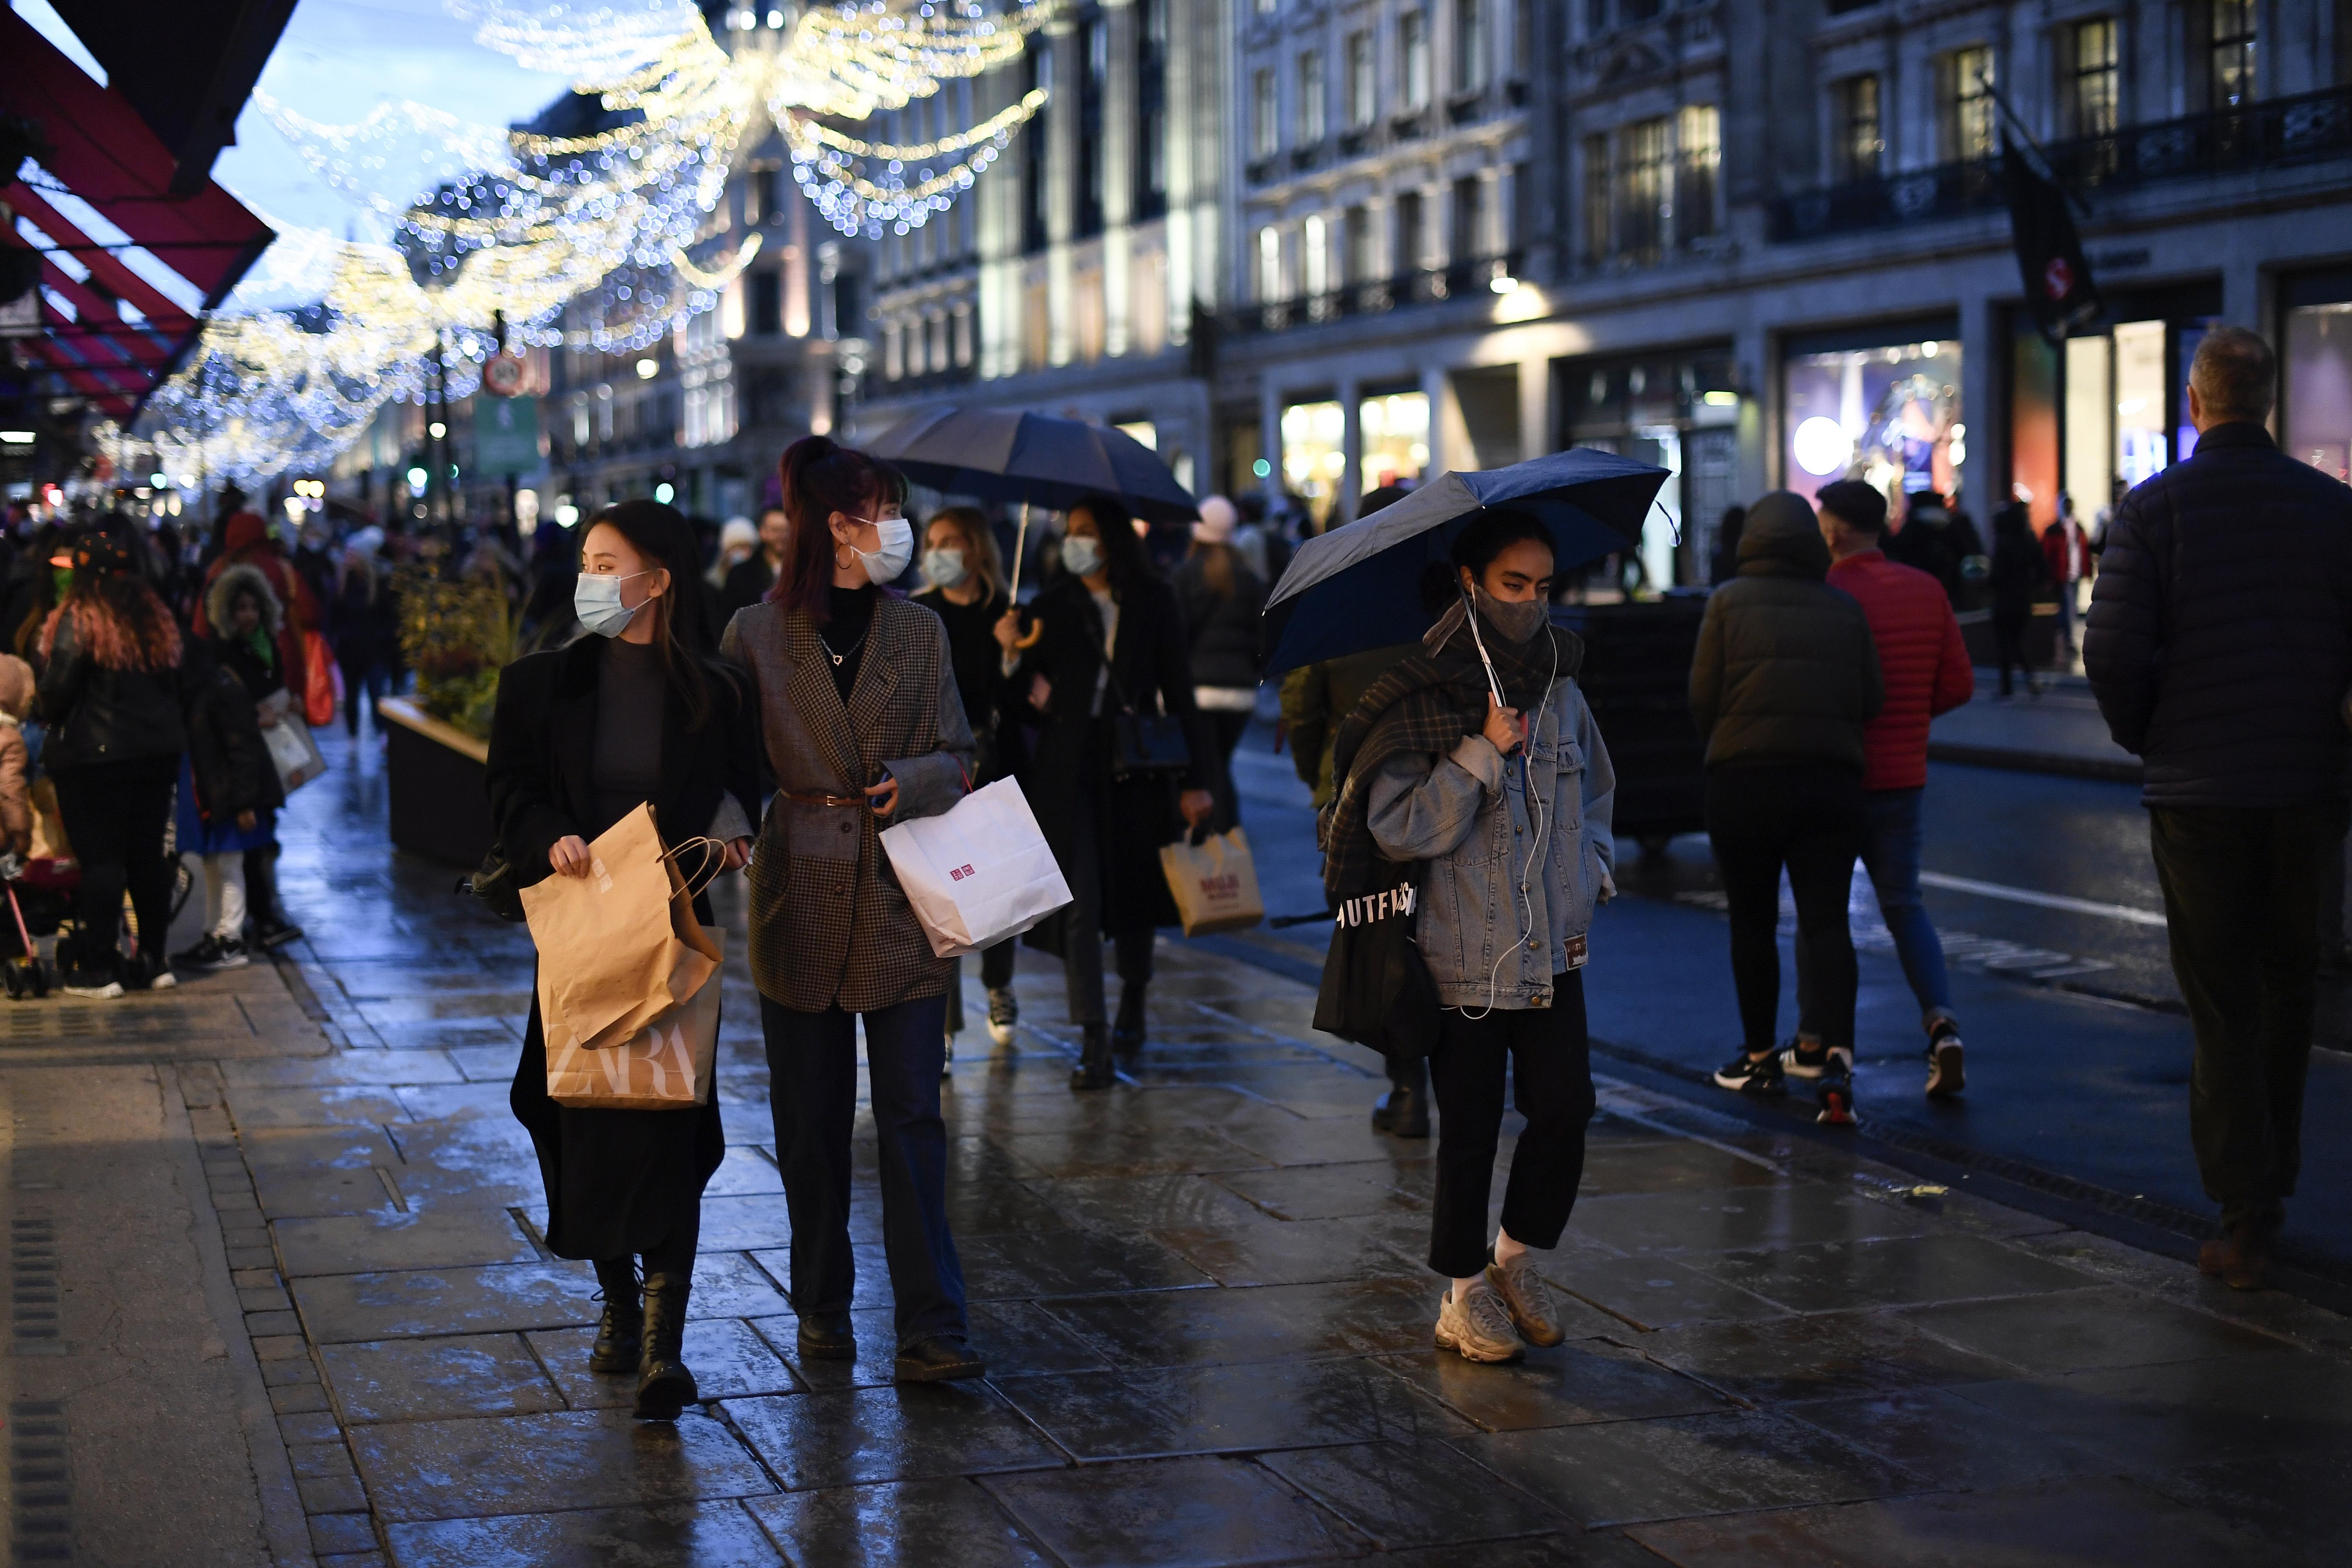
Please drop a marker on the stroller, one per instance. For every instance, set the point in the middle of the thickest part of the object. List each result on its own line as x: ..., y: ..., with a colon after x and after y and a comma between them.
x: 41, y: 897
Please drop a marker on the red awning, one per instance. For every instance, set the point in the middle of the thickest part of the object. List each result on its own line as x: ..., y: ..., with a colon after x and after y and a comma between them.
x: 113, y: 329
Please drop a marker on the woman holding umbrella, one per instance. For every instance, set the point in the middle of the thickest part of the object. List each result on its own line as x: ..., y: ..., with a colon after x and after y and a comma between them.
x: 1109, y: 641
x: 1508, y: 803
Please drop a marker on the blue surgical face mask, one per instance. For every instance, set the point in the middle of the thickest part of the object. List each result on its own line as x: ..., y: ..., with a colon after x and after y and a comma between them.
x: 597, y: 602
x: 898, y: 540
x: 1082, y: 554
x: 944, y: 567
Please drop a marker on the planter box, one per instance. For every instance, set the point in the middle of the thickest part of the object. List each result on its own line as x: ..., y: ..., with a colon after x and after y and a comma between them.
x: 440, y: 801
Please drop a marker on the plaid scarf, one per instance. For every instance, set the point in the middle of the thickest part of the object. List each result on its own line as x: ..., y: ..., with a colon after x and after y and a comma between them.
x: 1425, y: 705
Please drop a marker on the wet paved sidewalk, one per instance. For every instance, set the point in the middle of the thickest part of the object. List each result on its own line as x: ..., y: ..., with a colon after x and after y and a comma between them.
x: 1206, y: 1321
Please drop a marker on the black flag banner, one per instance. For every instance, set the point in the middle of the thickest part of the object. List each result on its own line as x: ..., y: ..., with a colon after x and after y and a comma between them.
x: 2058, y: 287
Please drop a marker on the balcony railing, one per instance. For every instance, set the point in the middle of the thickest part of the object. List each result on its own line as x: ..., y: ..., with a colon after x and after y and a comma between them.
x: 2276, y: 134
x: 1469, y: 279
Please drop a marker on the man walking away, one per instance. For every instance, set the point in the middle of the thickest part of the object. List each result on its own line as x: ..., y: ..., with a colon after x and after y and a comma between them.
x: 2219, y: 647
x: 1925, y: 665
x: 1781, y: 684
x: 2067, y: 549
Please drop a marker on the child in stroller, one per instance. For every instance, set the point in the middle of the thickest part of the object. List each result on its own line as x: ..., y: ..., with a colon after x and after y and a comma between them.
x: 40, y: 891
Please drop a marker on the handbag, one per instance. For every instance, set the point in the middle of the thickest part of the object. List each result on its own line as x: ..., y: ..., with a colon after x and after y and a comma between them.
x: 1142, y: 745
x: 1376, y: 990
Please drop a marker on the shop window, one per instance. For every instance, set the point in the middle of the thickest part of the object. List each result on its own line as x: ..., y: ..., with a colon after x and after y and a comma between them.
x: 1469, y: 46
x: 1266, y: 129
x: 1310, y: 98
x: 1698, y: 157
x: 1312, y: 455
x: 1856, y: 141
x: 2316, y: 421
x: 1964, y: 104
x: 1363, y: 81
x: 1888, y: 415
x: 2092, y: 84
x: 2229, y: 53
x: 1412, y: 48
x: 1394, y: 429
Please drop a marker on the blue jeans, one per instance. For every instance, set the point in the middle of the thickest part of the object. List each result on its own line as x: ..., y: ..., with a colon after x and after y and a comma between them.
x: 1890, y: 856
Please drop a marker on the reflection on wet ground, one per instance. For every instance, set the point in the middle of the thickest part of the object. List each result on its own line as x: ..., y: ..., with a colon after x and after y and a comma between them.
x: 1202, y: 1297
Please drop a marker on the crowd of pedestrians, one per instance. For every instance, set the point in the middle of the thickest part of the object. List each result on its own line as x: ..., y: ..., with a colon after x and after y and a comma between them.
x: 789, y: 688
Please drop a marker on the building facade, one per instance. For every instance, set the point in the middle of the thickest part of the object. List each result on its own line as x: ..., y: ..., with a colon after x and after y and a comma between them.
x: 1760, y: 244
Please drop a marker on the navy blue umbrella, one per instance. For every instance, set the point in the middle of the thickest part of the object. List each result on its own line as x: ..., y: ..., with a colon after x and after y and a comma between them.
x: 1358, y: 587
x: 999, y: 453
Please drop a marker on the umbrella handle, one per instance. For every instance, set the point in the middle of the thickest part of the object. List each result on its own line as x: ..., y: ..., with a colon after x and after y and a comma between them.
x: 1020, y: 540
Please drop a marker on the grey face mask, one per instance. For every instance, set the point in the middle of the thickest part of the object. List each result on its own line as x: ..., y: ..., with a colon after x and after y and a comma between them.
x: 1515, y: 622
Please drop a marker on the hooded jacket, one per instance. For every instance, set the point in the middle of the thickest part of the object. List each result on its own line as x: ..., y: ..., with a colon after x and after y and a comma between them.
x: 15, y: 778
x: 1786, y: 672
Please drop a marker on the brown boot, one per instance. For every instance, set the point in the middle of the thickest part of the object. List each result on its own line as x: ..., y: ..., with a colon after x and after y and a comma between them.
x: 2238, y: 1260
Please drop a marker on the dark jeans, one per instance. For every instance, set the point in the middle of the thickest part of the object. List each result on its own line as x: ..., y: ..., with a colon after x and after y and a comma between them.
x: 995, y: 973
x: 1082, y: 948
x: 1228, y: 727
x: 1551, y: 1074
x: 263, y: 911
x: 1890, y: 854
x: 2241, y: 902
x: 1810, y: 819
x: 2009, y: 634
x: 812, y: 1094
x: 114, y: 816
x: 363, y: 683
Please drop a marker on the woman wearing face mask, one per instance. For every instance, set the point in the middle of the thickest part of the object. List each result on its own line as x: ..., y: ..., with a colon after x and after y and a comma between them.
x: 1109, y: 626
x: 1508, y: 804
x: 966, y: 590
x: 641, y: 711
x: 863, y: 728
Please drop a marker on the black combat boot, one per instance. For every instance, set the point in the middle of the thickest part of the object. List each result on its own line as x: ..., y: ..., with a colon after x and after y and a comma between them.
x: 1094, y: 1069
x: 664, y: 1387
x: 1127, y: 1032
x: 623, y: 1326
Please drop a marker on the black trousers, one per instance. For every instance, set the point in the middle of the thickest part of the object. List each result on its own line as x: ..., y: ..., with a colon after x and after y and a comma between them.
x: 1228, y: 727
x: 1551, y: 1064
x: 1082, y: 948
x: 2241, y: 890
x: 114, y: 816
x: 812, y: 1094
x: 2009, y: 635
x: 1808, y: 818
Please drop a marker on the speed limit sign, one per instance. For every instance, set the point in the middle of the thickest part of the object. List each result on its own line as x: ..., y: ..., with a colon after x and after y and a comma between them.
x: 502, y: 376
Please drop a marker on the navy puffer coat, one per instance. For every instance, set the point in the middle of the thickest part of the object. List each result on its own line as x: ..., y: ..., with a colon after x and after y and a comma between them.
x: 2219, y: 643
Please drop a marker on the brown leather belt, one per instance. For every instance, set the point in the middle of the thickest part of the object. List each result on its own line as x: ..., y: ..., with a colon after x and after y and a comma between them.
x: 824, y: 799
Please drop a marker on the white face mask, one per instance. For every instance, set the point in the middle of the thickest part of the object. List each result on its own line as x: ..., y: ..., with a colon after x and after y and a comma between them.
x: 1082, y: 554
x: 944, y: 567
x: 897, y: 538
x: 597, y: 602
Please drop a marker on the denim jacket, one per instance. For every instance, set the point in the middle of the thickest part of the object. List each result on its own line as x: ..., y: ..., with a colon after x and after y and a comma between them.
x: 1468, y: 815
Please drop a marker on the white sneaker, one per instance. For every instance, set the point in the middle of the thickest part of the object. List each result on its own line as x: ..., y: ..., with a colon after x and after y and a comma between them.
x: 1478, y: 1327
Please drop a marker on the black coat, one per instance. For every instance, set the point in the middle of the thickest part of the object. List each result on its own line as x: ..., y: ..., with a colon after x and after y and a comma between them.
x: 979, y: 663
x: 1222, y: 628
x: 617, y: 1181
x: 2020, y: 572
x: 1073, y: 747
x: 2219, y: 642
x: 361, y: 623
x: 747, y: 582
x: 98, y: 715
x: 227, y: 755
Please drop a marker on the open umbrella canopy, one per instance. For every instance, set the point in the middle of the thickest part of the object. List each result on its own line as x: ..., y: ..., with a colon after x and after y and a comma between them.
x: 1358, y: 587
x: 999, y: 455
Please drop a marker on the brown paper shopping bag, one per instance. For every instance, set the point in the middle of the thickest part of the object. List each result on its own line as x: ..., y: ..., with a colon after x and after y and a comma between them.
x: 1214, y: 883
x: 620, y: 945
x: 664, y: 1065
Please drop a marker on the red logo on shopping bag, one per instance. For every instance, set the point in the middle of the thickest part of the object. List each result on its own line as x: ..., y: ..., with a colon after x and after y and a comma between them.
x: 958, y: 873
x: 1224, y: 885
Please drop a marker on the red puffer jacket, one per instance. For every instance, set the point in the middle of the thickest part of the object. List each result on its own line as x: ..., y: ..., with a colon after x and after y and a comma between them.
x: 1921, y: 657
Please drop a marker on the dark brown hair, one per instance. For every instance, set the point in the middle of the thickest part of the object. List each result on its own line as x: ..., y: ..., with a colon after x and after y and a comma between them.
x: 2235, y: 374
x: 1122, y: 550
x: 822, y: 476
x: 682, y: 615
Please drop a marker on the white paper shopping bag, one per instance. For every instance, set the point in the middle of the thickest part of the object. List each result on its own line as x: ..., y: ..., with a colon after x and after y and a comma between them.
x: 979, y: 873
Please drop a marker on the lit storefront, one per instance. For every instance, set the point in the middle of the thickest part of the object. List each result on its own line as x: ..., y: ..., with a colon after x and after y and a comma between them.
x: 1396, y: 437
x: 2096, y: 416
x: 1679, y: 410
x: 2316, y: 341
x: 1880, y: 405
x: 1313, y: 453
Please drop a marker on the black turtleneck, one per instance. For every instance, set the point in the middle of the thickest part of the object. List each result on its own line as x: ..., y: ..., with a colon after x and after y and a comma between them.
x: 851, y: 616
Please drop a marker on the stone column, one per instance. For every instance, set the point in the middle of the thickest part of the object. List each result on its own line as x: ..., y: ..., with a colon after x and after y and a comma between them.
x: 1536, y: 435
x: 1120, y: 131
x: 1269, y: 423
x: 1060, y: 188
x: 1351, y: 393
